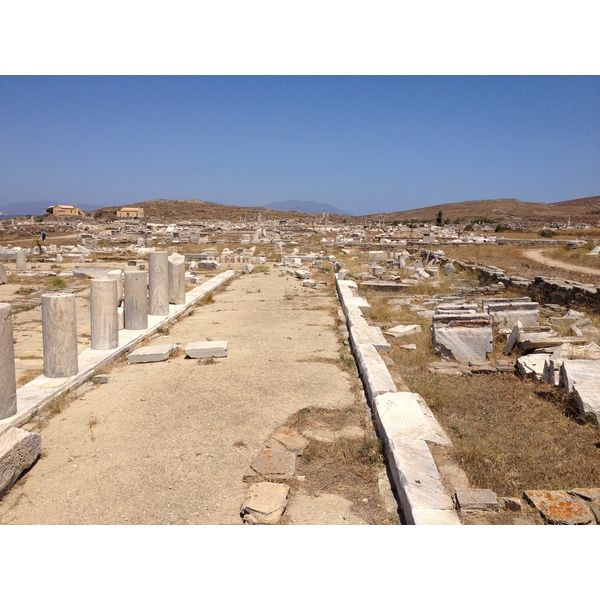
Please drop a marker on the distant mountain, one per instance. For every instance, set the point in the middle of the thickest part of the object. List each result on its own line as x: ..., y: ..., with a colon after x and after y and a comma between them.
x: 305, y: 206
x: 19, y: 209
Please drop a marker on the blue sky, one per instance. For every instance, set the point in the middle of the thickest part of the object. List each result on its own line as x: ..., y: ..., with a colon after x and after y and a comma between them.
x: 363, y: 143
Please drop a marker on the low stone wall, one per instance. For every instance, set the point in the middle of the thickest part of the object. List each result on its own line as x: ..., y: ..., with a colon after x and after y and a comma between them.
x: 552, y: 290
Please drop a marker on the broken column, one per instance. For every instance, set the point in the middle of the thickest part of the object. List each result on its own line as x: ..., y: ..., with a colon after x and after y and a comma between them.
x: 21, y: 260
x: 8, y: 385
x: 135, y: 304
x: 158, y: 268
x: 59, y: 333
x: 103, y: 313
x: 177, y: 279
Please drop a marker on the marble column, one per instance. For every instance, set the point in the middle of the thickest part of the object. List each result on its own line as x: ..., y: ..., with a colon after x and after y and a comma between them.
x: 135, y: 303
x: 59, y: 334
x: 176, y: 279
x: 158, y: 269
x: 104, y: 317
x: 21, y: 260
x: 8, y: 384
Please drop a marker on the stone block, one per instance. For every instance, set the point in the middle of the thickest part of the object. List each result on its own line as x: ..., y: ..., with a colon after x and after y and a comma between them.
x: 463, y: 343
x: 376, y: 377
x: 368, y: 334
x: 206, y: 350
x: 403, y: 330
x: 150, y: 354
x: 264, y: 503
x: 417, y: 479
x: 471, y: 499
x: 19, y: 449
x: 405, y: 415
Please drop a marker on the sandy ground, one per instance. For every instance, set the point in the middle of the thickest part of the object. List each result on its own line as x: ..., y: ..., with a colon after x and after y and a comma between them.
x: 539, y: 256
x: 169, y: 443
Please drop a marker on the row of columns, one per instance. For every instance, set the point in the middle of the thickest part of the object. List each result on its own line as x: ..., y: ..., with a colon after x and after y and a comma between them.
x: 143, y: 294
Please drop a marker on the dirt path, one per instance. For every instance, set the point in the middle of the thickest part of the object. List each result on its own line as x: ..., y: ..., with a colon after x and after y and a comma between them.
x: 170, y: 442
x: 539, y: 256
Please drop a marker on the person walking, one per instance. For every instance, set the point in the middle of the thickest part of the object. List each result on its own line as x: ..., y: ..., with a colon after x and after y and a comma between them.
x: 43, y: 236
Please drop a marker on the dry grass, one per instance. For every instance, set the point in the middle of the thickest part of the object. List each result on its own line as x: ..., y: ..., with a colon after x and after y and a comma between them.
x: 509, y: 435
x: 345, y: 466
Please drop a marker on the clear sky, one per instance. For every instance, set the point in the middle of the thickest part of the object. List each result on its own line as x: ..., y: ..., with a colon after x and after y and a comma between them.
x: 362, y: 143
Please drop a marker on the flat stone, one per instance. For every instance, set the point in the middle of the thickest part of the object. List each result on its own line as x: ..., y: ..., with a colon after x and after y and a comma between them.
x: 513, y: 338
x: 405, y: 415
x: 206, y: 349
x: 149, y: 354
x: 559, y: 508
x: 100, y: 379
x: 291, y: 440
x: 92, y: 272
x: 402, y: 330
x: 589, y: 494
x: 470, y: 499
x: 264, y: 503
x: 19, y: 449
x: 274, y: 464
x: 408, y: 346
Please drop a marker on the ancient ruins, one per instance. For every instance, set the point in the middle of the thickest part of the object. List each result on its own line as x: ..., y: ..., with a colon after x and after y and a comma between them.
x: 96, y: 291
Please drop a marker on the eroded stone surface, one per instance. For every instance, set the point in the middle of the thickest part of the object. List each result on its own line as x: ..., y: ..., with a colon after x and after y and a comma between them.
x: 206, y: 349
x: 264, y: 503
x: 148, y: 354
x: 274, y: 464
x: 469, y: 499
x: 559, y: 508
x: 19, y: 449
x: 291, y: 440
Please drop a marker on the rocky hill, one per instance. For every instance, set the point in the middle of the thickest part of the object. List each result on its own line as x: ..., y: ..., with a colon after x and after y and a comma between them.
x: 509, y: 211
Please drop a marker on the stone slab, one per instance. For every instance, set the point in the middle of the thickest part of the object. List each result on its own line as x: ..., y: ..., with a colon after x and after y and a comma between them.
x: 290, y: 440
x: 405, y: 415
x: 274, y: 464
x: 264, y: 503
x: 417, y: 479
x: 559, y: 508
x: 403, y: 330
x: 376, y: 377
x: 207, y: 349
x: 150, y: 354
x: 473, y: 499
x: 19, y: 449
x: 368, y: 334
x: 463, y: 343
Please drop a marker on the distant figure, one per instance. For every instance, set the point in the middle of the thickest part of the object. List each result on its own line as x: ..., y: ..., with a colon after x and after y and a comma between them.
x: 43, y: 236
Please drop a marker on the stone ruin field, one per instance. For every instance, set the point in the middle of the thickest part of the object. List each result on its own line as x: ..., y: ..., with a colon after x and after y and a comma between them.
x: 316, y: 372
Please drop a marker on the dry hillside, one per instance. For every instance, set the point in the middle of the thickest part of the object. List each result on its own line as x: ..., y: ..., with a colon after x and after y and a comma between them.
x: 506, y: 210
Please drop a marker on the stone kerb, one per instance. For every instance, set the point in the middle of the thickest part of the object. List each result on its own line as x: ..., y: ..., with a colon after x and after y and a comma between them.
x: 405, y: 424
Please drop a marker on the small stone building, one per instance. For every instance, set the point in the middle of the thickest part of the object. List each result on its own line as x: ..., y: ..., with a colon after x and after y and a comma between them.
x: 64, y: 210
x: 130, y: 212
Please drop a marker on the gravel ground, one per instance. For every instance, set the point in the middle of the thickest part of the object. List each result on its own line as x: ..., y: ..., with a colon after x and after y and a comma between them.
x: 169, y: 443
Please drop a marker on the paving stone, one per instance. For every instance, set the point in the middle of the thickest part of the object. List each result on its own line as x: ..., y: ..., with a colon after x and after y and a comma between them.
x: 264, y: 503
x: 206, y: 349
x: 19, y: 449
x: 274, y: 464
x: 469, y: 499
x: 149, y: 354
x: 100, y: 379
x: 291, y: 440
x: 559, y: 508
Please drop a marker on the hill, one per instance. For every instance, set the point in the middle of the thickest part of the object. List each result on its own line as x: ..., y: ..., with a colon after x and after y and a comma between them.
x: 510, y: 211
x: 19, y: 209
x: 304, y: 206
x: 198, y: 210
